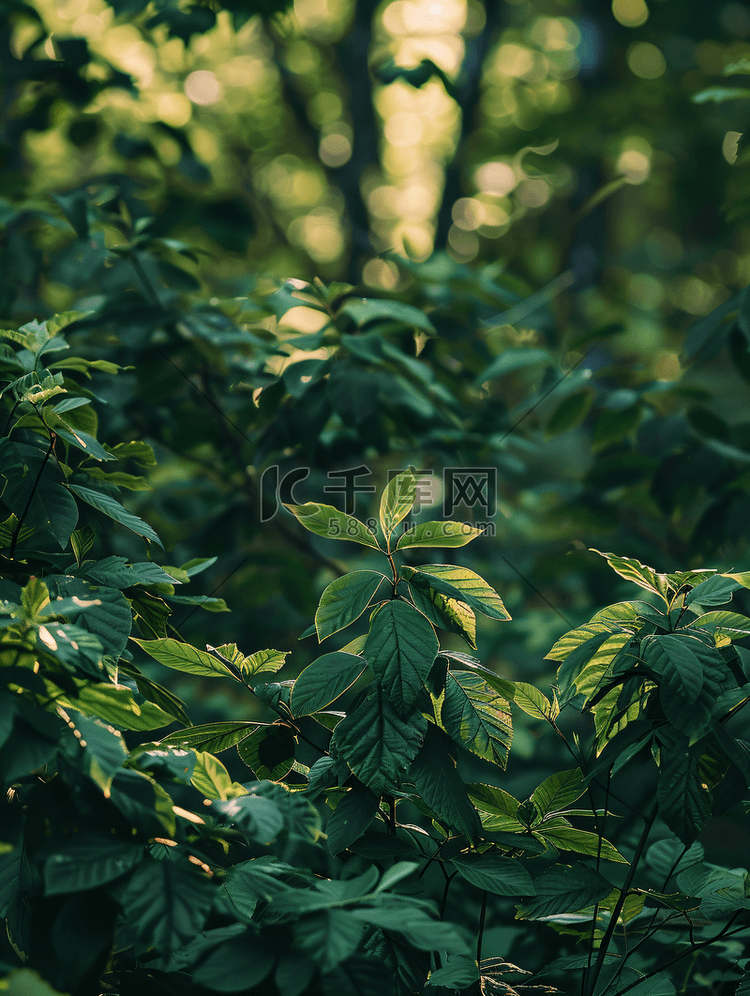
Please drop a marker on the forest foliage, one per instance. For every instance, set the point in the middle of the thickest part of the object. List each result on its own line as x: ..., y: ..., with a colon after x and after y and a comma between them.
x: 396, y: 317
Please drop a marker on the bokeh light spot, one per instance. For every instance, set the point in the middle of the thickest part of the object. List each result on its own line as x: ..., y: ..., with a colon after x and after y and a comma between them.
x: 463, y: 246
x: 692, y: 294
x: 203, y: 87
x: 468, y: 213
x: 335, y: 150
x: 635, y: 162
x: 380, y: 273
x: 630, y: 13
x: 495, y: 178
x: 534, y: 193
x: 645, y: 291
x: 667, y: 366
x: 645, y: 60
x: 173, y: 109
x: 514, y: 60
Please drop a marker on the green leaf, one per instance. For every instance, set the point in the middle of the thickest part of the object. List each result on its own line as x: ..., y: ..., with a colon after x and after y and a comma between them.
x: 716, y: 590
x: 722, y: 625
x: 612, y: 426
x: 707, y: 335
x: 458, y: 973
x: 584, y: 668
x: 166, y: 904
x: 570, y: 413
x: 324, y: 680
x: 136, y: 450
x: 740, y: 66
x: 447, y: 613
x: 269, y: 751
x: 460, y: 583
x: 396, y: 873
x: 32, y: 336
x: 377, y: 743
x: 633, y: 570
x: 512, y: 359
x: 401, y: 914
x: 558, y: 791
x: 79, y: 439
x: 476, y: 717
x: 35, y: 490
x: 110, y: 619
x: 212, y: 779
x: 325, y: 520
x: 366, y: 311
x: 679, y: 670
x: 720, y: 94
x: 351, y: 817
x: 344, y: 600
x: 183, y: 657
x: 659, y: 985
x: 495, y: 873
x: 329, y: 936
x: 257, y: 663
x: 237, y: 964
x: 526, y: 697
x: 88, y: 861
x: 684, y: 799
x: 397, y: 500
x: 401, y: 648
x: 563, y: 889
x: 440, y: 786
x: 352, y: 391
x: 99, y: 750
x: 262, y: 819
x: 260, y: 661
x: 668, y: 857
x: 328, y: 893
x: 498, y: 805
x: 437, y: 534
x: 213, y: 737
x: 116, y: 572
x: 722, y: 891
x: 562, y: 836
x: 112, y: 508
x: 118, y: 705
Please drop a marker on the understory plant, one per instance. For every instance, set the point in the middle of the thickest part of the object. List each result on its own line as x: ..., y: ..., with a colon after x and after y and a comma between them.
x: 361, y: 837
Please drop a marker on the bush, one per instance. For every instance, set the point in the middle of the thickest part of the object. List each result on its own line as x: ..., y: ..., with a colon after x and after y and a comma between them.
x: 369, y: 846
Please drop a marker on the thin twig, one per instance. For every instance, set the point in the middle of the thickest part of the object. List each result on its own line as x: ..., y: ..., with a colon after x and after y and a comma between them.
x: 17, y: 530
x: 611, y: 926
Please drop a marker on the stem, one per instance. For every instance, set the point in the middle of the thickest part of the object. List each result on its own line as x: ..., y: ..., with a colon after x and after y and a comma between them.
x: 611, y: 926
x: 433, y: 857
x: 581, y: 764
x: 289, y: 720
x: 724, y: 932
x: 444, y: 900
x: 480, y: 934
x: 392, y: 825
x: 10, y: 416
x: 600, y: 834
x: 17, y: 530
x: 148, y: 287
x: 392, y: 562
